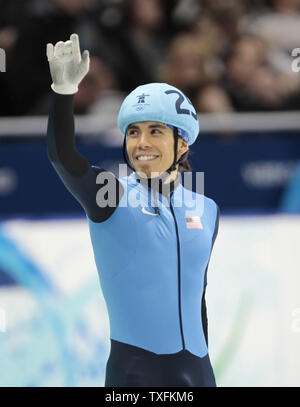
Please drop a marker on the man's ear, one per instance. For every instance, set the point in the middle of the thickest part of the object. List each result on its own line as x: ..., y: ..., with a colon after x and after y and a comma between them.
x: 182, y: 146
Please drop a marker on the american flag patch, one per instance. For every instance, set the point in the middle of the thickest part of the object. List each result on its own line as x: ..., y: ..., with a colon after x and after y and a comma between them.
x: 193, y: 222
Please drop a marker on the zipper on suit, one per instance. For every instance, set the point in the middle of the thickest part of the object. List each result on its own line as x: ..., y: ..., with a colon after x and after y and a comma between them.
x: 179, y: 272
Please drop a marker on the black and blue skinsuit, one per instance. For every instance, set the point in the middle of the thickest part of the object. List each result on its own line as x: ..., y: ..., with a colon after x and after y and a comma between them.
x: 152, y: 267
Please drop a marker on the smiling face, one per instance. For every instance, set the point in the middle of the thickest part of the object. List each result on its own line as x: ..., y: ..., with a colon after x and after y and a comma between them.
x: 150, y: 147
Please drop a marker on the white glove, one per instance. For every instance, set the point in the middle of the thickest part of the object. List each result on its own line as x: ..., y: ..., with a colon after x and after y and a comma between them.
x: 66, y: 65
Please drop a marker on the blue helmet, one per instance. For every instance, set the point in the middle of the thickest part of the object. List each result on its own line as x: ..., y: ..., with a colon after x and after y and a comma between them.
x: 160, y: 102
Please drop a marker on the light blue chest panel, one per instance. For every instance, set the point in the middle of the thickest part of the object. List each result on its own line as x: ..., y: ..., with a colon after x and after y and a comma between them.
x: 152, y: 268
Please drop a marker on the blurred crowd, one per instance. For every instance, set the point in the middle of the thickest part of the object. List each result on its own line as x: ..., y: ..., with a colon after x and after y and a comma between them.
x: 232, y: 55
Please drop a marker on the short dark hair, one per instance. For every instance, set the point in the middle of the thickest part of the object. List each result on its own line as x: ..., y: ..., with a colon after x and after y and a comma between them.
x: 185, y: 164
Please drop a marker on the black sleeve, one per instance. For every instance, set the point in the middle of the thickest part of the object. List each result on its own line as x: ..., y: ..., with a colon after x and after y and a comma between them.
x: 203, y: 303
x: 73, y: 168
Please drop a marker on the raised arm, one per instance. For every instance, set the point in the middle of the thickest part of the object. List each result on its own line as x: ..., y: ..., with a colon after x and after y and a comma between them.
x: 67, y: 70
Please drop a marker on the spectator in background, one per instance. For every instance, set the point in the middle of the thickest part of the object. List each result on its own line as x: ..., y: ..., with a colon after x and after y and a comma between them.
x: 226, y: 17
x: 98, y: 92
x: 280, y: 29
x: 211, y: 98
x: 27, y: 73
x: 184, y: 66
x: 279, y: 26
x: 249, y: 82
x: 223, y: 55
x: 13, y: 14
x: 133, y: 37
x: 146, y: 19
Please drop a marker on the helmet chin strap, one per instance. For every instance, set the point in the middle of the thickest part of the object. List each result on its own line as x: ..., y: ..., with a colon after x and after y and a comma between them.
x: 127, y: 161
x: 174, y: 165
x: 175, y: 162
x: 181, y: 159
